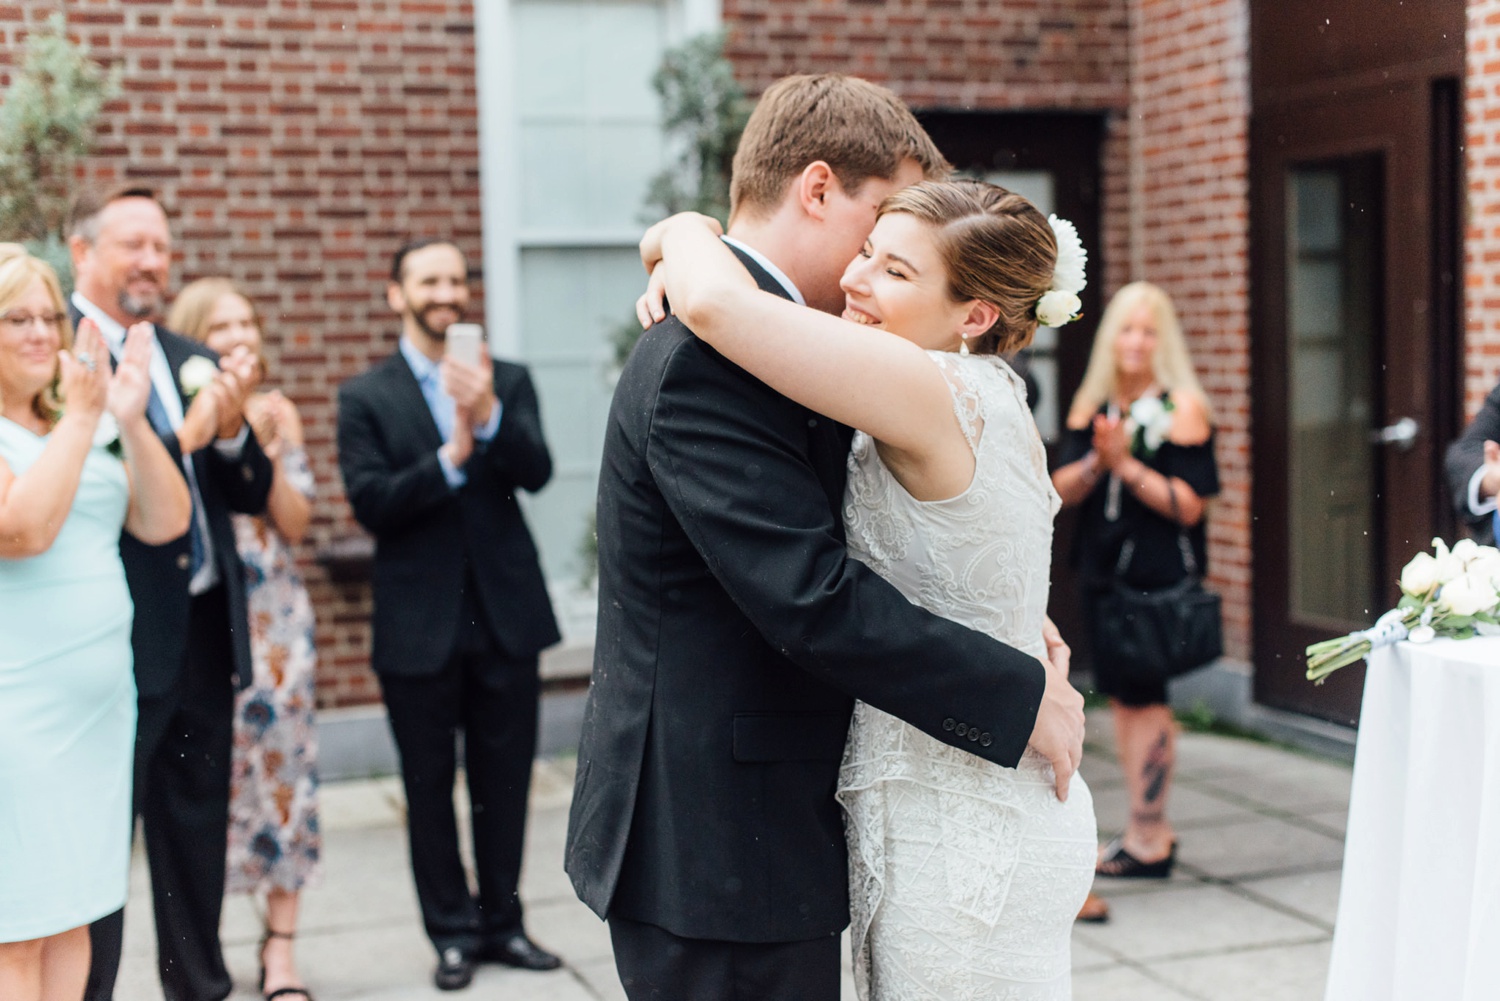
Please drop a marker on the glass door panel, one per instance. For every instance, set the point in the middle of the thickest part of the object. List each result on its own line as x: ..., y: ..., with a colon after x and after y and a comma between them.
x: 1333, y: 315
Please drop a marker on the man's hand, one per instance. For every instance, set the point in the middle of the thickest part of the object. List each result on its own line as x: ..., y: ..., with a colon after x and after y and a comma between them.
x: 1058, y: 734
x: 1058, y: 651
x: 472, y: 388
x: 460, y: 444
x: 1489, y: 484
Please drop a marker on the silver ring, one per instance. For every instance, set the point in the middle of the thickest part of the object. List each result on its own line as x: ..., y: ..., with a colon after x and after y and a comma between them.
x: 87, y: 361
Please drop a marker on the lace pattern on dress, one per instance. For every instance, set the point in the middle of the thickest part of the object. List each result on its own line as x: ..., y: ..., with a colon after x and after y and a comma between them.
x: 964, y: 876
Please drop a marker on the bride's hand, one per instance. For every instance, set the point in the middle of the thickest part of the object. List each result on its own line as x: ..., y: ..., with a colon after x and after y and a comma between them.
x: 651, y: 306
x: 651, y: 253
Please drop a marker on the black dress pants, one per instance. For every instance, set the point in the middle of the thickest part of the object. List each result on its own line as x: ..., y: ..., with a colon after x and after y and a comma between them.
x: 182, y: 752
x: 655, y: 965
x: 492, y: 699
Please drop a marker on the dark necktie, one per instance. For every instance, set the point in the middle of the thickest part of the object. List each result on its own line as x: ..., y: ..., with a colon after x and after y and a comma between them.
x: 157, y: 415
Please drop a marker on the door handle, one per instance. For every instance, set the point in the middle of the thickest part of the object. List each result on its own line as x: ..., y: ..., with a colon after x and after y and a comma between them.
x: 1402, y: 434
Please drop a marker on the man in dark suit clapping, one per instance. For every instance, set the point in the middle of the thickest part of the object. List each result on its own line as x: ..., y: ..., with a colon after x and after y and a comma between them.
x: 1473, y: 467
x: 433, y: 449
x: 191, y: 636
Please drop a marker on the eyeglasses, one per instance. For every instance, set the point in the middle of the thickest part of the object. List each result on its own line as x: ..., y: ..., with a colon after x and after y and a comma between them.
x: 18, y: 322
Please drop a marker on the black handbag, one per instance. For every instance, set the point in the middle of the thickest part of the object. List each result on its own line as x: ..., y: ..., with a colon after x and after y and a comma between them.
x: 1152, y: 635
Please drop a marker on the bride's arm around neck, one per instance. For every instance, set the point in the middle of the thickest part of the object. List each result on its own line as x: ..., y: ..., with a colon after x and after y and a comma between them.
x: 867, y: 378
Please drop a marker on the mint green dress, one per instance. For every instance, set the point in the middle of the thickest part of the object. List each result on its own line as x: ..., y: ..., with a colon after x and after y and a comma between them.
x: 67, y: 710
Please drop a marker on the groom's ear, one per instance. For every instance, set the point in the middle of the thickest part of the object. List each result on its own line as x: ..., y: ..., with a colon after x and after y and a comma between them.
x: 813, y: 186
x: 394, y: 298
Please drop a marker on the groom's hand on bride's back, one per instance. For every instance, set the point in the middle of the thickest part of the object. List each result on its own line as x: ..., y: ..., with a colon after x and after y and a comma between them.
x: 1058, y: 733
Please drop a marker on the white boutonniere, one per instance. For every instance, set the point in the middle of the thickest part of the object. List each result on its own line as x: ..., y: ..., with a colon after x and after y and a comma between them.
x: 107, y: 435
x: 196, y: 374
x: 1149, y: 424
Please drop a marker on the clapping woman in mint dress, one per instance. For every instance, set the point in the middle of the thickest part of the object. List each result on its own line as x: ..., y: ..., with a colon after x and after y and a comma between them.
x: 78, y: 461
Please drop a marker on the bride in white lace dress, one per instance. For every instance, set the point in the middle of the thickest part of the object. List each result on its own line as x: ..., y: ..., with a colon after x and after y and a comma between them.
x: 964, y: 876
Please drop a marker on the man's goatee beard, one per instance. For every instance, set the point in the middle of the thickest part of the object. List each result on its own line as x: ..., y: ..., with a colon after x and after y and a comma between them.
x: 135, y: 307
x: 433, y: 332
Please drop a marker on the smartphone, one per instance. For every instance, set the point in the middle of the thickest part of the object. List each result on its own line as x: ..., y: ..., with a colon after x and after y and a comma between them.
x: 465, y: 343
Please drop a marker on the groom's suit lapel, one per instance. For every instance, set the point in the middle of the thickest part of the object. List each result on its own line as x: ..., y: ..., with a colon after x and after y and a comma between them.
x: 827, y: 439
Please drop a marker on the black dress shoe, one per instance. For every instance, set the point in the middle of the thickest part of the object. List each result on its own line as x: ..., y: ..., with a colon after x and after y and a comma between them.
x: 455, y: 970
x: 519, y: 951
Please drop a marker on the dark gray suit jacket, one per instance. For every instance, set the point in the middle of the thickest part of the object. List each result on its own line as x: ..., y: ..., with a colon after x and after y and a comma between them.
x: 1466, y: 455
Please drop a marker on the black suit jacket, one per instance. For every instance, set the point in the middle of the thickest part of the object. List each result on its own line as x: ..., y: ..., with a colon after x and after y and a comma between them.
x: 425, y: 530
x: 1466, y: 455
x: 158, y: 576
x: 733, y: 634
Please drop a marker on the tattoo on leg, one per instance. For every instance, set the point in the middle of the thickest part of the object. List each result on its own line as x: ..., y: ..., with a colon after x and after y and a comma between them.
x: 1146, y: 818
x: 1154, y: 773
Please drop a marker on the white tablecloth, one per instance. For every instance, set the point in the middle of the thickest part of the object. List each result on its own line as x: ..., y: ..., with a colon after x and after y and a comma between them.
x: 1419, y: 906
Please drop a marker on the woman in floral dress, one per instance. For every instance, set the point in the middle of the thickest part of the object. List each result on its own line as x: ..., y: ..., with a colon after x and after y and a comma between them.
x: 274, y: 839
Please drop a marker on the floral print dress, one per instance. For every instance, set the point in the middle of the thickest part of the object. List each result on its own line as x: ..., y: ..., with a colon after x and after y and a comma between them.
x: 274, y: 840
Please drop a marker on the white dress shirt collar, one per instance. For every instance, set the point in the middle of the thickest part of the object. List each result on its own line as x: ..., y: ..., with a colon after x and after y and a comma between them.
x: 771, y: 269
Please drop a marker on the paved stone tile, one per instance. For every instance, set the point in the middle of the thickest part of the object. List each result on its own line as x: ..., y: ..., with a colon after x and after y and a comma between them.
x: 1335, y: 822
x: 1264, y: 845
x: 1187, y: 805
x: 1313, y: 786
x: 1207, y: 755
x: 601, y: 978
x: 1190, y: 920
x: 1279, y: 973
x: 1315, y: 894
x: 372, y: 803
x: 1087, y: 958
x: 1122, y: 983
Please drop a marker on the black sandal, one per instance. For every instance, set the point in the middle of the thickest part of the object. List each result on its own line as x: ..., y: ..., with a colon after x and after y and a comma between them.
x: 279, y: 992
x: 1117, y: 863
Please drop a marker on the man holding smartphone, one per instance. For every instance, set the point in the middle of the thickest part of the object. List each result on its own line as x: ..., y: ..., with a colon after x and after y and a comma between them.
x: 433, y: 444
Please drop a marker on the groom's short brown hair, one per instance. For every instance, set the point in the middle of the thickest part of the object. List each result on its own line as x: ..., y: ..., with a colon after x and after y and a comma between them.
x: 859, y: 129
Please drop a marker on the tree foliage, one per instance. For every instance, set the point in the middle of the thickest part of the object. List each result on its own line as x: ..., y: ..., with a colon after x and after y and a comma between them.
x: 47, y: 125
x: 704, y: 111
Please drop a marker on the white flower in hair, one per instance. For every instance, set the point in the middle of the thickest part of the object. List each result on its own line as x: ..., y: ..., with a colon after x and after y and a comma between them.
x: 1057, y: 307
x: 1060, y: 303
x: 1067, y: 273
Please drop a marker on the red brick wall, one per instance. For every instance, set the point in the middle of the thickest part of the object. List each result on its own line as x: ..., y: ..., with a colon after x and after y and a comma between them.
x: 1482, y: 237
x: 992, y: 54
x: 296, y: 144
x: 1188, y: 232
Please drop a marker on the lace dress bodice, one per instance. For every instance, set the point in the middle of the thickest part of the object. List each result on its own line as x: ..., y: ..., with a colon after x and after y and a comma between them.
x: 964, y: 876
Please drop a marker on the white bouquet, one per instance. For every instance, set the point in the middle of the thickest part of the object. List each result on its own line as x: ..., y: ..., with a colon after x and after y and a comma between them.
x: 1448, y: 592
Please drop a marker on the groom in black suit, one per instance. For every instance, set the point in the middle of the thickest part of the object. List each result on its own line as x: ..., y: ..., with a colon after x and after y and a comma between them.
x: 734, y: 632
x: 191, y: 637
x: 433, y: 451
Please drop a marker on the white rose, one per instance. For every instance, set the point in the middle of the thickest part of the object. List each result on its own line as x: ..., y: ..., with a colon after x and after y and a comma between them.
x: 1465, y: 550
x: 1486, y: 565
x: 1448, y: 565
x: 1056, y: 308
x: 1419, y: 577
x: 1464, y: 596
x: 196, y: 374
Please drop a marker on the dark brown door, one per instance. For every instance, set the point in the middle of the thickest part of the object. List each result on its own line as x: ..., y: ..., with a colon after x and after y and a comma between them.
x: 1354, y: 327
x: 1053, y: 159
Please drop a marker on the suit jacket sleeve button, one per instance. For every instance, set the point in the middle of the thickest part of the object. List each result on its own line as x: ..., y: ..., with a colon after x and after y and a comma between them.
x: 985, y: 740
x: 974, y: 733
x: 962, y: 729
x: 949, y: 723
x: 183, y: 561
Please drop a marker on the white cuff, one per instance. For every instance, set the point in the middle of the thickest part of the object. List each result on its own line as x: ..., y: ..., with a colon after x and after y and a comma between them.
x: 1476, y: 506
x: 230, y: 448
x: 456, y: 477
